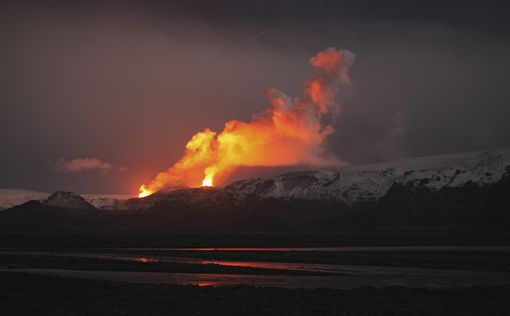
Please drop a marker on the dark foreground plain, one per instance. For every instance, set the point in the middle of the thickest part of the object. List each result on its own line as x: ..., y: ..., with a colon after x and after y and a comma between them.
x: 23, y: 294
x: 150, y: 239
x: 437, y: 273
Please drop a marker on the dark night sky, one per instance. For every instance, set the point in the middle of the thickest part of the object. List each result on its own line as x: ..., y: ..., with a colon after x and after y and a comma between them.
x: 129, y: 83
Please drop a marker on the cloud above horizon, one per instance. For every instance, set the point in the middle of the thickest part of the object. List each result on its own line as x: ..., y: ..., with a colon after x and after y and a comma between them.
x: 86, y: 164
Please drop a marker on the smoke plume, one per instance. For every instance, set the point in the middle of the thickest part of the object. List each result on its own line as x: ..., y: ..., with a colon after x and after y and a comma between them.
x: 289, y: 131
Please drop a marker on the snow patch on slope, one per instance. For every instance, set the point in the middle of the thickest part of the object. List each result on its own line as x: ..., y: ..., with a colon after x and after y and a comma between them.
x: 13, y: 197
x: 67, y: 200
x: 107, y: 201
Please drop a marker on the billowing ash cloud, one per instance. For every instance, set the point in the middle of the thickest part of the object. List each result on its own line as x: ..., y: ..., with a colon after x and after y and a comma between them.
x: 85, y: 165
x: 289, y: 132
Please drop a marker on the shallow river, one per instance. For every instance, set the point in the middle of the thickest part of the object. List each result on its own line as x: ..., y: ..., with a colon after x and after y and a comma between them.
x: 331, y: 281
x: 341, y: 276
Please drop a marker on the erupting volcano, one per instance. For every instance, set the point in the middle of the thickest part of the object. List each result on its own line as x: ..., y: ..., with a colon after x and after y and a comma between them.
x: 289, y: 132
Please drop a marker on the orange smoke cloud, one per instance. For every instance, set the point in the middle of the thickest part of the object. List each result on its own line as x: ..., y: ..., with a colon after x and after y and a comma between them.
x: 289, y: 132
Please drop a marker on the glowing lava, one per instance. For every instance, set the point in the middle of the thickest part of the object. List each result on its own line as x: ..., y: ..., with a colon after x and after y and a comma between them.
x: 207, y: 182
x: 144, y: 191
x: 290, y: 131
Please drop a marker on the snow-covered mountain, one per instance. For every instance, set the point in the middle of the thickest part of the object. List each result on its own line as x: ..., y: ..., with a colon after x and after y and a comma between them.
x: 370, y: 182
x: 348, y: 185
x: 458, y: 191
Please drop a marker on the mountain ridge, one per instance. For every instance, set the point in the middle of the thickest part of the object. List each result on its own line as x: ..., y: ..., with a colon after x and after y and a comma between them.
x: 460, y: 190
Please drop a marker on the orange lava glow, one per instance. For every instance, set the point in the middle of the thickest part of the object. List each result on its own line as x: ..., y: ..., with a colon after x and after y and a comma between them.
x: 289, y: 132
x: 144, y: 191
x: 207, y: 182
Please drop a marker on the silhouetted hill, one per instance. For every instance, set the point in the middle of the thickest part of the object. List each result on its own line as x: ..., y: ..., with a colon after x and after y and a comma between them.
x: 35, y: 216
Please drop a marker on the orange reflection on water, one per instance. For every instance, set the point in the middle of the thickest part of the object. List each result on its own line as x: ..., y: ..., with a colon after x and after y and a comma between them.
x: 205, y: 284
x: 248, y: 264
x: 145, y: 260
